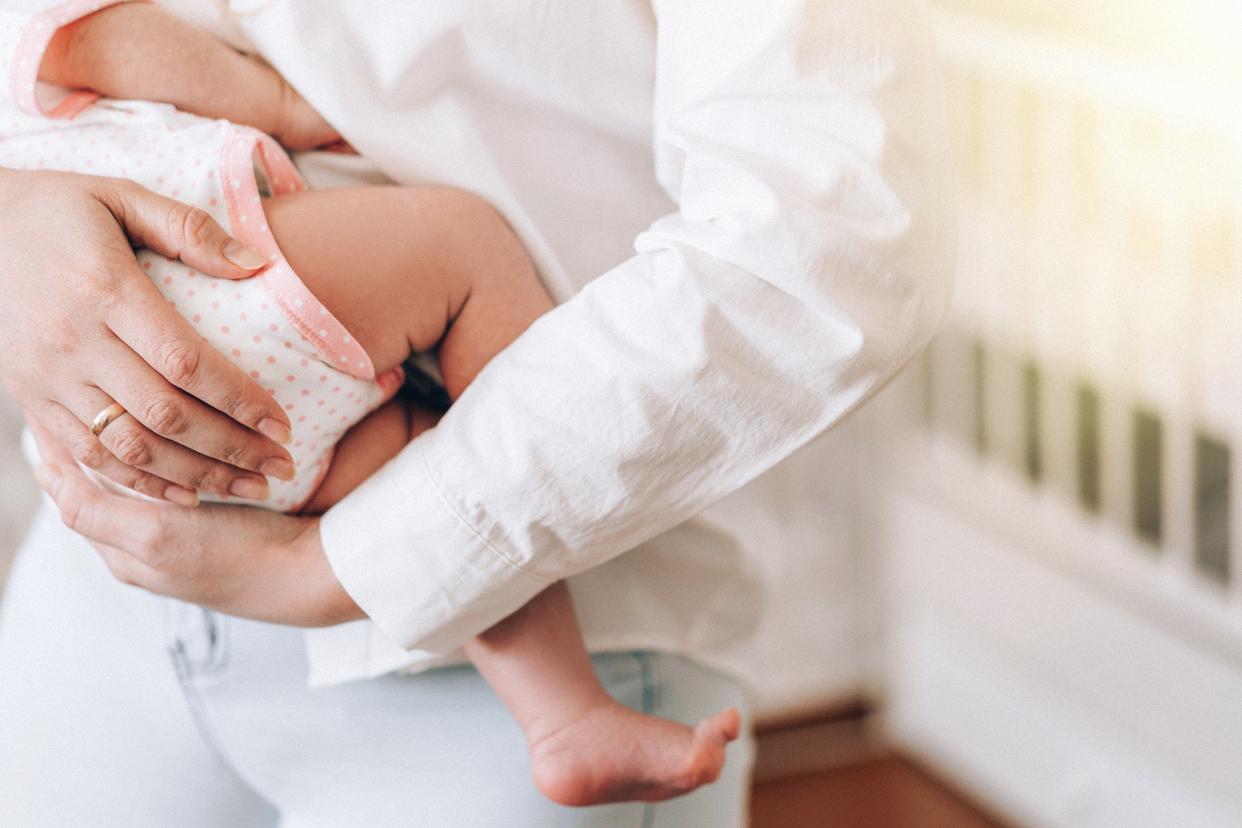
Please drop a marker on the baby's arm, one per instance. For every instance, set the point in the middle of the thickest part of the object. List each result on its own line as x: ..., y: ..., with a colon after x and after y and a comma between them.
x: 141, y: 52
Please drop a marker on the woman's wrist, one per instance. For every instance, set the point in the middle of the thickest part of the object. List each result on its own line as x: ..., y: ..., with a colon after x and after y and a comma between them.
x: 325, y: 602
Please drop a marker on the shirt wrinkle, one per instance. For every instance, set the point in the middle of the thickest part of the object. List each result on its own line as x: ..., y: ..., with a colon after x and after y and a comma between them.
x: 469, y: 525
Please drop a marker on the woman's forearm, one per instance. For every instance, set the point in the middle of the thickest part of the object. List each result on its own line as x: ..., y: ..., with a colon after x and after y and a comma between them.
x: 139, y: 51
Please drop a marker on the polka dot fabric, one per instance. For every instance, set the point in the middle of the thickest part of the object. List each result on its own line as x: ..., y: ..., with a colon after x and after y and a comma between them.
x: 270, y: 325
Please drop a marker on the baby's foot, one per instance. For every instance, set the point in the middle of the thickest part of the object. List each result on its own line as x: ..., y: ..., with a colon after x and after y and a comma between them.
x: 613, y: 754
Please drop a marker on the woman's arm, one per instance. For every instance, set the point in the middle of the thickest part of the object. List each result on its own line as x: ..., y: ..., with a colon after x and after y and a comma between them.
x: 141, y: 52
x: 810, y: 258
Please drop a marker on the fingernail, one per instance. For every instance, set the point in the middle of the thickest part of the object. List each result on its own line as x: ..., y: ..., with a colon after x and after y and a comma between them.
x: 247, y: 258
x: 48, y: 476
x: 181, y: 495
x: 250, y: 489
x: 278, y: 467
x: 275, y: 430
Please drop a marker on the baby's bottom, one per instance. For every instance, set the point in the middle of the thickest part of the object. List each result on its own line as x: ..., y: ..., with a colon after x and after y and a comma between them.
x: 405, y: 269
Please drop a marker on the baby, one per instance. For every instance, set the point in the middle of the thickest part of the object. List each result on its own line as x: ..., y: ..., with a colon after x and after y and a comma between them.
x: 356, y: 281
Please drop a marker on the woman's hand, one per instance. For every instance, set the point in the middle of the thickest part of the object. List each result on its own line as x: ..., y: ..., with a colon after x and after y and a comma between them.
x: 239, y: 560
x: 83, y: 327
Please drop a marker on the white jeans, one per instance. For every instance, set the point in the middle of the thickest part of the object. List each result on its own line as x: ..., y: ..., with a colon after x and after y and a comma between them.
x: 119, y: 708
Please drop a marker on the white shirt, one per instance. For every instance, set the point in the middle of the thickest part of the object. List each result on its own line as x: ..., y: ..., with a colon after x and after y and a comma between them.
x: 740, y: 207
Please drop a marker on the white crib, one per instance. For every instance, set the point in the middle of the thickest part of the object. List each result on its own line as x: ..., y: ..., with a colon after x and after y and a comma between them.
x: 1063, y: 527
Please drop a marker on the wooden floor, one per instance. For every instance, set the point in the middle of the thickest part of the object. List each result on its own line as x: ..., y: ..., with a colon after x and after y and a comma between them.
x: 883, y: 792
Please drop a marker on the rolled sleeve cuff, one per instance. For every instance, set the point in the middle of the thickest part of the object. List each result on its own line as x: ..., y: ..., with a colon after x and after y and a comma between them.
x: 409, y: 560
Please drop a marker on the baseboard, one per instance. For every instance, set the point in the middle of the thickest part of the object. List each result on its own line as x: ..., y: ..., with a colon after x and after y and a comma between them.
x: 1051, y: 705
x: 835, y: 735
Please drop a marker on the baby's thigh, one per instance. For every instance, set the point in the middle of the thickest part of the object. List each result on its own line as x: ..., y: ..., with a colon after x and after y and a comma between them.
x: 378, y: 258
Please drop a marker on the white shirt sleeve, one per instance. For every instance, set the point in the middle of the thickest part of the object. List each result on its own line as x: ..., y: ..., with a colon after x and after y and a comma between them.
x: 809, y: 259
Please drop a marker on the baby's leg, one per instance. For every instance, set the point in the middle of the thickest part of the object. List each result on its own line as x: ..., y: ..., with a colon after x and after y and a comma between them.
x: 586, y: 748
x: 366, y: 447
x: 404, y: 269
x: 407, y: 268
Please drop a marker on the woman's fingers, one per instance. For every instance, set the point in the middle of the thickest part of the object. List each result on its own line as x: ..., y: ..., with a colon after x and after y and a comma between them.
x: 128, y: 453
x: 176, y: 230
x: 143, y: 320
x: 91, y: 512
x: 173, y: 434
x: 170, y: 383
x: 164, y: 341
x: 65, y: 429
x: 136, y: 447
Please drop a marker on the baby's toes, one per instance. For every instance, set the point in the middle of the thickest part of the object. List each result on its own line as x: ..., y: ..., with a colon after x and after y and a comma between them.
x: 723, y: 727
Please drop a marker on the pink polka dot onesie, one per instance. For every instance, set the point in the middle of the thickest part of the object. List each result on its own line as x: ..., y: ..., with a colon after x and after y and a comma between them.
x: 270, y: 325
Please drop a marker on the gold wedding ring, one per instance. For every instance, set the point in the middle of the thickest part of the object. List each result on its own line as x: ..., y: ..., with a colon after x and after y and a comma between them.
x: 103, y: 418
